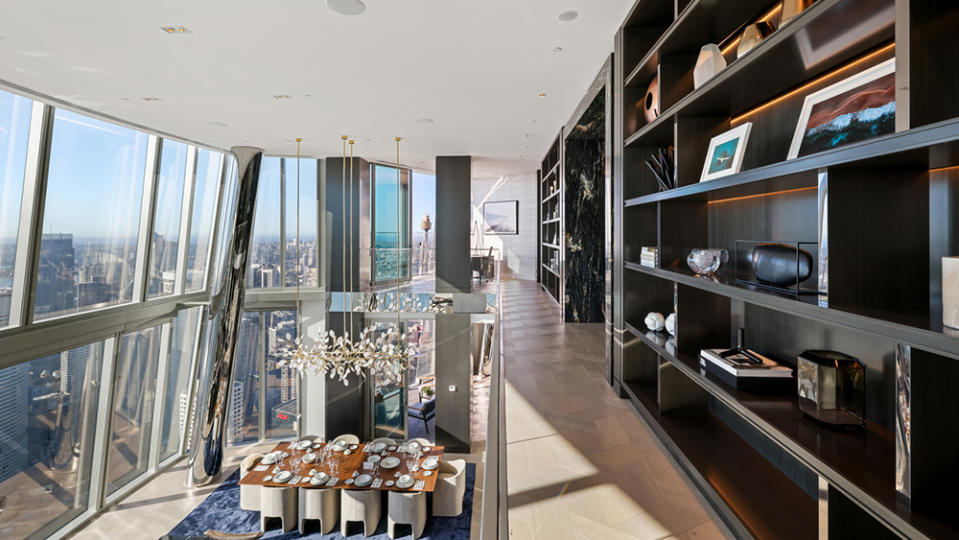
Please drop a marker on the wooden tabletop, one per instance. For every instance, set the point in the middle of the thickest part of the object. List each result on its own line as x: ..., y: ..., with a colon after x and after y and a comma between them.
x: 346, y: 465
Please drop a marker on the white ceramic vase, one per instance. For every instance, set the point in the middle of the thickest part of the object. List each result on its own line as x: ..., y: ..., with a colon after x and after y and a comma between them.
x: 670, y: 324
x: 950, y: 292
x: 709, y: 63
x: 655, y: 321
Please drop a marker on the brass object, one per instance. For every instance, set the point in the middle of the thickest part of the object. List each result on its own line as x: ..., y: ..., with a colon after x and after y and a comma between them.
x: 791, y: 8
x: 753, y: 35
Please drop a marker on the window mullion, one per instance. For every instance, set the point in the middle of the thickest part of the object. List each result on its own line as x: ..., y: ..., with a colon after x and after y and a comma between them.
x: 191, y: 382
x: 186, y: 218
x: 282, y: 282
x: 163, y: 363
x: 31, y: 215
x: 261, y: 369
x: 98, y: 471
x: 147, y: 213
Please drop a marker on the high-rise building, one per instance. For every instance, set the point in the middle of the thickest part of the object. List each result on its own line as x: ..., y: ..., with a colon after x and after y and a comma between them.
x: 56, y: 274
x: 14, y: 419
x: 235, y: 413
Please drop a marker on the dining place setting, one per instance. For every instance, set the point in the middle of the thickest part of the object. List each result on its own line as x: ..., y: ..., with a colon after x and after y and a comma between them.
x: 348, y: 482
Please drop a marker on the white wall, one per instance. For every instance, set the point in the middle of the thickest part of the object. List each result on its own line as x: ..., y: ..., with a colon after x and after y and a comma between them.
x: 519, y: 251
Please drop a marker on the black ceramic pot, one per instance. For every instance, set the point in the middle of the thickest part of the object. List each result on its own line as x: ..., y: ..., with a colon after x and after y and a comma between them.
x: 776, y: 264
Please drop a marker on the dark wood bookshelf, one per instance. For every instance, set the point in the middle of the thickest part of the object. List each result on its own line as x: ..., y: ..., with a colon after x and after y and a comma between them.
x: 551, y: 203
x: 888, y: 208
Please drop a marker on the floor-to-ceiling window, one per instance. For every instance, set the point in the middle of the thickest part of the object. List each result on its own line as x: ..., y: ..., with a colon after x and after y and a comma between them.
x: 209, y: 167
x: 88, y: 258
x: 15, y: 113
x: 134, y: 397
x: 164, y: 243
x: 47, y: 423
x: 423, y: 196
x: 304, y: 269
x: 176, y: 393
x: 391, y: 223
x: 95, y: 215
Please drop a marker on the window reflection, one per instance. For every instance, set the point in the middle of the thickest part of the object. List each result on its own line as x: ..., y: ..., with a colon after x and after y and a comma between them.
x: 15, y: 114
x: 244, y: 412
x: 133, y: 402
x: 281, y: 382
x: 91, y: 218
x: 264, y: 270
x: 176, y: 395
x: 47, y: 424
x: 166, y: 221
x: 391, y: 223
x: 209, y: 164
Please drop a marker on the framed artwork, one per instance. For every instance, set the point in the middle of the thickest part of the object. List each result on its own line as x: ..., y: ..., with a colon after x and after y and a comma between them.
x: 725, y: 154
x: 501, y: 217
x: 860, y: 107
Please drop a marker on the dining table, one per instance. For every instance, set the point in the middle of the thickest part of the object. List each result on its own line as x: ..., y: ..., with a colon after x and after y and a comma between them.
x: 344, y: 464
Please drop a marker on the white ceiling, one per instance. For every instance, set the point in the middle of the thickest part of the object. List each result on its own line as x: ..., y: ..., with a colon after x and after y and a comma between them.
x: 474, y: 66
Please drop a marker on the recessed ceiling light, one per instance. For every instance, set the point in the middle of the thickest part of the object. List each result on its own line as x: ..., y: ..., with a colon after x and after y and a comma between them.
x: 176, y: 30
x: 151, y: 99
x: 557, y: 49
x: 541, y: 94
x: 567, y: 16
x: 282, y: 96
x: 347, y: 7
x: 424, y: 121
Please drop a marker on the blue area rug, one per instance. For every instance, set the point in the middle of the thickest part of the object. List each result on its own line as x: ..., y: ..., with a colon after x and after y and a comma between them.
x: 221, y: 511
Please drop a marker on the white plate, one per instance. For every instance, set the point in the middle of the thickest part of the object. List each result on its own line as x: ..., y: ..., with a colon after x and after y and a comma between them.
x: 430, y: 464
x: 269, y: 459
x: 309, y: 458
x: 304, y: 444
x: 390, y: 462
x: 305, y: 480
x: 348, y: 481
x: 428, y: 473
x: 392, y: 449
x: 317, y: 445
x: 267, y: 478
x: 374, y: 458
x: 426, y: 448
x: 378, y: 447
x: 316, y: 480
x: 321, y: 478
x: 348, y: 452
x: 413, y: 445
x: 363, y: 480
x: 283, y: 476
x: 389, y: 483
x: 405, y: 481
x: 353, y: 447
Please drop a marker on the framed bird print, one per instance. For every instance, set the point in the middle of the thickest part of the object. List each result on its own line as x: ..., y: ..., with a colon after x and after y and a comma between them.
x: 726, y: 151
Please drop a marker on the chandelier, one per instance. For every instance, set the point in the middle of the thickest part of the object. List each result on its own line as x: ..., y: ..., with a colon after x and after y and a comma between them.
x: 379, y: 349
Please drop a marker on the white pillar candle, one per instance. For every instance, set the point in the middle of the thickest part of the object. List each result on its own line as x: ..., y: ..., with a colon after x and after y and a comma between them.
x: 950, y: 291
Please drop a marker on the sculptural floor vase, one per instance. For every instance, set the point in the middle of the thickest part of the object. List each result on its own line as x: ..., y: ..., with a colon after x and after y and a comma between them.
x: 950, y: 292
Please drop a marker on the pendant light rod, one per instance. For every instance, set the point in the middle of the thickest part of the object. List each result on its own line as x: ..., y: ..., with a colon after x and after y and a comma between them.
x: 299, y: 269
x: 351, y: 235
x: 343, y: 279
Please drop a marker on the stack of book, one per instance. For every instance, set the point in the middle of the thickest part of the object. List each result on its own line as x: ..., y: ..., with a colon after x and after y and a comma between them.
x: 649, y: 257
x: 745, y: 369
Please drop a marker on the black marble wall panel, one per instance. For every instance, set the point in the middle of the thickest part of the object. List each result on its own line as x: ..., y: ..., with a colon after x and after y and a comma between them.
x: 584, y: 216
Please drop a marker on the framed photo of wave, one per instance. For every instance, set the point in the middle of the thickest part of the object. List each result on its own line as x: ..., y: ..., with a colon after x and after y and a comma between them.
x: 501, y: 217
x: 860, y: 107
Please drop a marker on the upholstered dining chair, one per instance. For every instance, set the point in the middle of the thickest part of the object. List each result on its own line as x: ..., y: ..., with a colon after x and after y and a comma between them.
x: 386, y: 440
x: 424, y: 410
x: 278, y: 502
x: 450, y: 488
x: 348, y: 438
x: 319, y: 504
x: 249, y: 495
x: 406, y: 508
x: 359, y: 505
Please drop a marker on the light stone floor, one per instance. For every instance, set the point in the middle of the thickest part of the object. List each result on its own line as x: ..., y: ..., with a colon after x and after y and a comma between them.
x: 580, y: 462
x: 154, y: 509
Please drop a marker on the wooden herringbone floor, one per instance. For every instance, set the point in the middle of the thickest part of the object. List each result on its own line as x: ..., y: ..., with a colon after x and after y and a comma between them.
x: 580, y: 462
